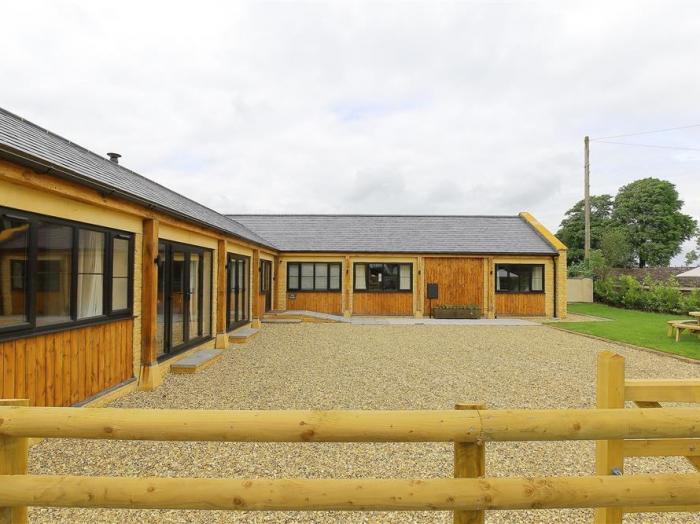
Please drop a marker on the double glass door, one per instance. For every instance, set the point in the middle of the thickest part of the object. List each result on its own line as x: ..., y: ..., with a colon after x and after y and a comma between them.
x: 184, y: 296
x: 238, y: 297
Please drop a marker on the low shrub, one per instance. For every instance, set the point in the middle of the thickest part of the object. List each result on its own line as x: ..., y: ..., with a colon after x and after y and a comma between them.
x: 649, y: 295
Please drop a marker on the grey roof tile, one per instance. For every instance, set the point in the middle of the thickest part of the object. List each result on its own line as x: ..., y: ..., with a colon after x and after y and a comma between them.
x: 23, y: 139
x: 399, y: 233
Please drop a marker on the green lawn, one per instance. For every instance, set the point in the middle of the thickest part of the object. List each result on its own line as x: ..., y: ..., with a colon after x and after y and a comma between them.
x: 633, y: 327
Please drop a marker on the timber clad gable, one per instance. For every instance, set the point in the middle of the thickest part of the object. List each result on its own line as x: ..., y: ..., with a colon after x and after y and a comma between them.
x: 195, y: 274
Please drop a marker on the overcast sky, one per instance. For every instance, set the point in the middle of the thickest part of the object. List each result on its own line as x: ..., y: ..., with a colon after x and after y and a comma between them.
x: 430, y: 108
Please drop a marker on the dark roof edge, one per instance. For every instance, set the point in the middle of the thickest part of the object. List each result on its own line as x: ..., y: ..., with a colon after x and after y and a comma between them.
x: 49, y: 168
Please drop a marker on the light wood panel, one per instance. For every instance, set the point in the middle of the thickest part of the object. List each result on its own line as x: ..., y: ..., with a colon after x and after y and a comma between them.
x: 61, y: 369
x: 460, y: 281
x: 321, y: 302
x: 390, y: 304
x: 520, y: 304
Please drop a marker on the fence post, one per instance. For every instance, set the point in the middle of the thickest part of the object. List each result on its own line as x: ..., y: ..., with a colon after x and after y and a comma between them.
x: 14, y: 455
x: 470, y: 462
x: 610, y: 393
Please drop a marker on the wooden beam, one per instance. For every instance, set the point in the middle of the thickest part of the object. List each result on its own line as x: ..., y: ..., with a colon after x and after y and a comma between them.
x: 350, y: 426
x: 682, y: 390
x: 469, y: 462
x: 221, y: 287
x: 347, y: 286
x: 149, y: 376
x: 610, y: 393
x: 255, y: 288
x: 662, y: 509
x: 14, y: 456
x: 684, y: 447
x: 349, y: 494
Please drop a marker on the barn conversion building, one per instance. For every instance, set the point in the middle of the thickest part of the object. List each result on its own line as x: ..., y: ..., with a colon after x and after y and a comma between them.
x: 107, y: 278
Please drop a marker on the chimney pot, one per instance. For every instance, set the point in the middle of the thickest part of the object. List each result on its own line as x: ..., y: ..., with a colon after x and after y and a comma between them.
x: 114, y: 157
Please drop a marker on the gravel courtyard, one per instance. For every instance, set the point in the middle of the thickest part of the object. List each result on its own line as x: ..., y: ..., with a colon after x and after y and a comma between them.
x: 336, y: 366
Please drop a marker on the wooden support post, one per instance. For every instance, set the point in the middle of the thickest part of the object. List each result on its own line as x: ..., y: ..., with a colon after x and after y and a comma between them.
x: 14, y: 455
x: 610, y: 393
x: 255, y: 289
x: 221, y: 261
x: 149, y: 377
x: 470, y: 462
x: 347, y: 287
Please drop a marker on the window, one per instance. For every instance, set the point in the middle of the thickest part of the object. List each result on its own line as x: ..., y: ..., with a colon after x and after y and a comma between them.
x: 91, y: 255
x: 313, y: 276
x: 383, y: 277
x: 14, y: 252
x: 55, y: 273
x: 120, y: 273
x: 519, y: 278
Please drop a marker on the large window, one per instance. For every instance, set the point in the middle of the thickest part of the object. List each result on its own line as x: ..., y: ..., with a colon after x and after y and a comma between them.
x: 55, y: 273
x: 519, y: 278
x: 383, y: 277
x: 313, y: 276
x: 184, y: 311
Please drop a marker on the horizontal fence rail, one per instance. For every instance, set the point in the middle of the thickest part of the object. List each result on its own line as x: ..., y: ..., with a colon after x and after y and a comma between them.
x: 350, y: 426
x: 350, y: 495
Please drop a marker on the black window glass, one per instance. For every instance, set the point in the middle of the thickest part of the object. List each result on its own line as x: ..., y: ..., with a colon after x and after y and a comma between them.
x: 14, y: 245
x: 53, y: 274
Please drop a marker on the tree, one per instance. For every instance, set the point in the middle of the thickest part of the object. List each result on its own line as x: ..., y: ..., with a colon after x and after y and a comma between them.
x: 615, y: 247
x: 571, y: 230
x: 649, y: 212
x: 691, y: 257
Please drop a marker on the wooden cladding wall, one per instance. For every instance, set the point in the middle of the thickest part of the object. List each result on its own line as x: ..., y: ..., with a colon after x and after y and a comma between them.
x: 385, y: 303
x: 67, y: 367
x: 520, y: 304
x: 460, y: 281
x: 321, y: 302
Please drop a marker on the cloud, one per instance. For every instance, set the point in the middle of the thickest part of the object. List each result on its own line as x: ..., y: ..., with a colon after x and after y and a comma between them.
x: 451, y: 107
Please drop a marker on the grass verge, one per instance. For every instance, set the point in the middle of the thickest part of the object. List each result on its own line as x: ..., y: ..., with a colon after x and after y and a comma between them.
x: 638, y: 328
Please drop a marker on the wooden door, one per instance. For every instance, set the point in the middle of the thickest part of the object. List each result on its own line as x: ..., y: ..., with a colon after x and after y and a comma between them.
x: 460, y: 281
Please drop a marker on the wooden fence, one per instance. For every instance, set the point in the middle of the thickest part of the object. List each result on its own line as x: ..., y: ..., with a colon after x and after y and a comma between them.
x: 612, y: 390
x: 468, y: 494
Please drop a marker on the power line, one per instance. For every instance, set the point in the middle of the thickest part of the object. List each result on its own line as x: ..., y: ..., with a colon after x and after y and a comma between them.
x: 646, y: 132
x: 650, y: 145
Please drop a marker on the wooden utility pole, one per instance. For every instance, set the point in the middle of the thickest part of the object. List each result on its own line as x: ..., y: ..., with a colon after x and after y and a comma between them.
x: 586, y: 200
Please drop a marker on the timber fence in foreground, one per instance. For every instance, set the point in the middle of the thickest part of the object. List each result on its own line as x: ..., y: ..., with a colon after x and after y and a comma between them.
x: 468, y: 494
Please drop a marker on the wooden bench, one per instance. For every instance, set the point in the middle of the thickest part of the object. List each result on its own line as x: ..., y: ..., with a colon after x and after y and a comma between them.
x: 676, y: 327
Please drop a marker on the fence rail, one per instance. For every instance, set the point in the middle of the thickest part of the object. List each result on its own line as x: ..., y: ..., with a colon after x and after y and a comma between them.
x: 349, y: 426
x: 646, y: 431
x: 349, y: 495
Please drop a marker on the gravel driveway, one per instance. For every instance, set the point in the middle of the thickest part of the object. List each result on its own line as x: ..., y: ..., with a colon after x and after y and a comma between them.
x: 334, y: 366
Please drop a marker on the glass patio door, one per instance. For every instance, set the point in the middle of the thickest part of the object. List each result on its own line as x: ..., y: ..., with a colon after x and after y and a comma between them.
x: 182, y: 296
x: 238, y: 300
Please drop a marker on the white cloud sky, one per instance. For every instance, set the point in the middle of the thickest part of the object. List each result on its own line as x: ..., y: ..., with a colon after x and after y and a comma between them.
x: 433, y: 107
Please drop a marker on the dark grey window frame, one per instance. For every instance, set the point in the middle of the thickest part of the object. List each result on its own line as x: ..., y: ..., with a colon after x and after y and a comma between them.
x: 398, y: 282
x: 510, y: 265
x: 29, y: 328
x: 328, y: 289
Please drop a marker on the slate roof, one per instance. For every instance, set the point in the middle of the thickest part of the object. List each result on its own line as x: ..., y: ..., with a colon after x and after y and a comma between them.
x: 27, y: 143
x: 399, y: 233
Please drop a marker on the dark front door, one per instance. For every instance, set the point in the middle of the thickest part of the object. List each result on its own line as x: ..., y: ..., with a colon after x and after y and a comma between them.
x: 266, y: 283
x: 238, y: 297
